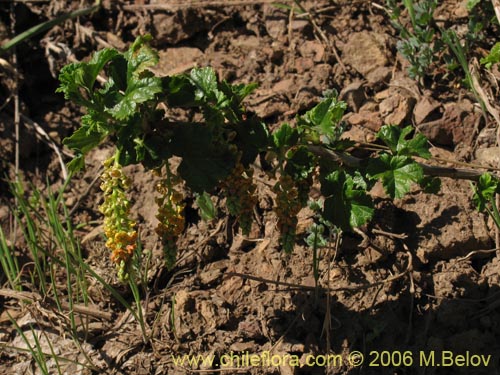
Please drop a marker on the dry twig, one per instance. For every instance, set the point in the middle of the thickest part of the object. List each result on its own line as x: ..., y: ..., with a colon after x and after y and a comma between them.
x: 35, y: 297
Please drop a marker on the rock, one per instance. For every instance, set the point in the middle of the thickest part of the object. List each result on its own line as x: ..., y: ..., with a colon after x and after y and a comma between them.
x: 358, y: 134
x: 426, y: 110
x: 455, y: 127
x: 210, y: 276
x: 321, y: 76
x: 246, y: 42
x: 241, y: 347
x: 396, y: 109
x: 285, y: 86
x: 303, y: 64
x: 312, y: 49
x: 487, y: 137
x: 4, y: 213
x: 299, y: 25
x: 353, y: 95
x: 435, y: 132
x: 379, y: 75
x: 177, y: 59
x: 365, y: 52
x: 370, y: 120
x: 171, y: 29
x: 489, y: 156
x: 460, y: 121
x: 275, y: 28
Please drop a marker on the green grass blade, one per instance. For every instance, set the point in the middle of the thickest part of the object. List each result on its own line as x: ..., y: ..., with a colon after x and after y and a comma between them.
x: 40, y: 28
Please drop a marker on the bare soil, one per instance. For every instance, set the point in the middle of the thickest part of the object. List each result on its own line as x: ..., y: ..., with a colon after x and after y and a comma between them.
x: 415, y: 279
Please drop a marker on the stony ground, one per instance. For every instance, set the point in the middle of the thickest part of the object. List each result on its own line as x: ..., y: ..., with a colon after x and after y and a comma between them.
x: 413, y: 280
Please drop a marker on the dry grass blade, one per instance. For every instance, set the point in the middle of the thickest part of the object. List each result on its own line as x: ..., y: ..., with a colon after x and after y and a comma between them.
x: 42, y: 134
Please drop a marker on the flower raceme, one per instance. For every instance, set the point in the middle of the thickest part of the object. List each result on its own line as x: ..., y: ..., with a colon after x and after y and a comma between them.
x: 288, y: 205
x: 170, y: 216
x: 118, y: 227
x: 240, y: 196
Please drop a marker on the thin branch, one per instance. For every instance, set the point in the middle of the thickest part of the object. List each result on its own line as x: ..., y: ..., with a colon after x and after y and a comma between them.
x: 95, y: 312
x: 429, y: 170
x: 173, y: 6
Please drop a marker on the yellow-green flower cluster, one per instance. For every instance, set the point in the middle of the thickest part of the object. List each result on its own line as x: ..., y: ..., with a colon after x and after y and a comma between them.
x: 118, y: 227
x: 240, y: 196
x: 287, y: 207
x: 171, y: 218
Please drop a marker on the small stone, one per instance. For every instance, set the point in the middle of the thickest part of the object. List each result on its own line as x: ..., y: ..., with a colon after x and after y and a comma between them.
x: 241, y: 347
x: 489, y: 156
x: 4, y: 212
x: 365, y: 52
x: 284, y: 86
x: 370, y: 120
x: 397, y: 108
x: 354, y: 95
x: 210, y: 276
x: 312, y: 49
x: 176, y: 60
x: 276, y: 28
x: 379, y: 75
x: 425, y: 109
x: 303, y: 64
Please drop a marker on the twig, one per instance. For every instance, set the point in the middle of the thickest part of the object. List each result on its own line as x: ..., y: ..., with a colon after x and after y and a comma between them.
x: 44, y: 136
x: 322, y: 35
x: 35, y: 297
x: 173, y: 6
x: 401, y: 236
x: 429, y: 170
x: 476, y: 252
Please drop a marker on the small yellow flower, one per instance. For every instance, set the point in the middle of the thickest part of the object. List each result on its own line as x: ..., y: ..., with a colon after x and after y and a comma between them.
x: 118, y: 227
x: 170, y: 216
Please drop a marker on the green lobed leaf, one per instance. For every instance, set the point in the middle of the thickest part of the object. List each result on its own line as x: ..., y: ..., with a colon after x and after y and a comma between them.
x: 471, y: 4
x: 396, y: 172
x: 485, y: 191
x: 179, y: 91
x: 140, y: 56
x: 157, y: 150
x: 323, y: 119
x: 345, y: 206
x: 315, y: 239
x: 243, y: 90
x: 300, y: 163
x: 77, y: 163
x: 395, y: 138
x: 430, y: 185
x: 203, y: 173
x: 84, y: 139
x: 285, y: 137
x: 207, y: 208
x: 493, y: 57
x: 138, y: 91
x: 205, y: 81
x: 77, y: 76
